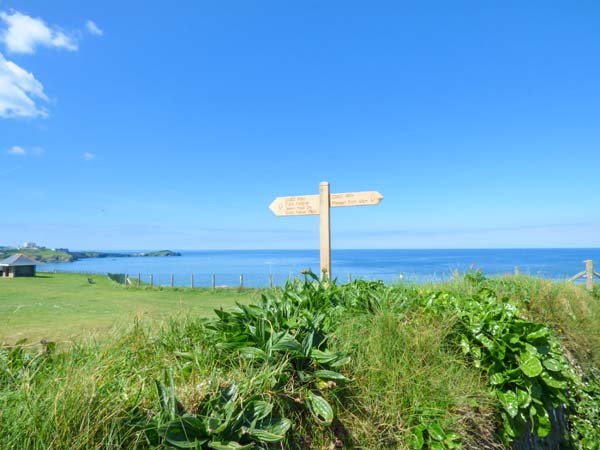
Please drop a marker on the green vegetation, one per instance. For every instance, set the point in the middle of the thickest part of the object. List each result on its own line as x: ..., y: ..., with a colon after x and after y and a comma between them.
x: 48, y: 255
x: 65, y: 306
x: 38, y: 254
x: 478, y: 363
x: 91, y: 254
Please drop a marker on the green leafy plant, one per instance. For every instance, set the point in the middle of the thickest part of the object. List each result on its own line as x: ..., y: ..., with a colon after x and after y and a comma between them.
x: 523, y: 361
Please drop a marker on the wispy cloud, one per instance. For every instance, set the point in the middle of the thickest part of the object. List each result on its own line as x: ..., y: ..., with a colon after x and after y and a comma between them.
x: 7, y: 171
x: 18, y: 91
x: 16, y: 150
x: 88, y: 156
x: 24, y: 34
x: 93, y: 28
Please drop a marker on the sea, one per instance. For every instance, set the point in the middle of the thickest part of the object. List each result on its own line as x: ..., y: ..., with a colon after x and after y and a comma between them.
x: 258, y: 267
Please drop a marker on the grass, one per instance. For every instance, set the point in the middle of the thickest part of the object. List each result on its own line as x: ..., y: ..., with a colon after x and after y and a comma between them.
x: 405, y: 374
x: 66, y: 307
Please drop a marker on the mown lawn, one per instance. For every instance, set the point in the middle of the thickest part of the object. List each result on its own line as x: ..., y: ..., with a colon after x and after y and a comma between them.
x: 63, y: 307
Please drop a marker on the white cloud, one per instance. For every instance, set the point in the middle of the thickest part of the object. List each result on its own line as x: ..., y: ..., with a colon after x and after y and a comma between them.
x: 24, y: 33
x: 93, y: 28
x: 18, y: 91
x: 88, y: 156
x: 16, y: 150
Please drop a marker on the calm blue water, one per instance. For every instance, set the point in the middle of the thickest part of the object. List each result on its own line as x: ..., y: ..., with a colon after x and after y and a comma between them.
x: 416, y: 265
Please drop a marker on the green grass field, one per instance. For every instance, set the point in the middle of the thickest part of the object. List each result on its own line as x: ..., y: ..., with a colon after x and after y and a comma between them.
x: 64, y: 307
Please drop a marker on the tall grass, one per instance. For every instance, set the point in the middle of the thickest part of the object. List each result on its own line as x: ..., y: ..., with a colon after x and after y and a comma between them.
x: 405, y: 376
x: 408, y: 381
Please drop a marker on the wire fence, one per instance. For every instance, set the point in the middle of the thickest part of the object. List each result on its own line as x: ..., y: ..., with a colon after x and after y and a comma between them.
x: 271, y: 280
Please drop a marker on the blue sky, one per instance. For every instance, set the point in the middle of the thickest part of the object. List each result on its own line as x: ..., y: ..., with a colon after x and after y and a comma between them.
x: 153, y: 125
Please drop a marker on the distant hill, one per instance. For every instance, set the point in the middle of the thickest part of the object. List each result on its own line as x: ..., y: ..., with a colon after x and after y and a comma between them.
x: 48, y: 255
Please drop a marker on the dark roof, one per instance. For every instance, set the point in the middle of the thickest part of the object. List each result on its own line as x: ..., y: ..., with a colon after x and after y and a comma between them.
x: 18, y: 259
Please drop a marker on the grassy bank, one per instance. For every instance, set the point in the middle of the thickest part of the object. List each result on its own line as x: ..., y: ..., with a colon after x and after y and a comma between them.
x: 473, y: 364
x: 64, y: 307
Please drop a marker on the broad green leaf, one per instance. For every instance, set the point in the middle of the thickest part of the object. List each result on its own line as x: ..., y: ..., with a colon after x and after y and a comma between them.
x: 271, y: 432
x: 544, y: 426
x: 231, y: 445
x: 259, y: 409
x: 530, y: 349
x: 329, y: 358
x: 329, y: 375
x: 183, y: 434
x: 279, y: 426
x: 542, y: 332
x: 510, y: 402
x: 417, y: 438
x: 436, y: 431
x: 530, y: 365
x: 287, y: 343
x: 553, y: 382
x: 319, y: 407
x: 524, y: 398
x: 497, y: 378
x: 552, y: 364
x: 253, y: 353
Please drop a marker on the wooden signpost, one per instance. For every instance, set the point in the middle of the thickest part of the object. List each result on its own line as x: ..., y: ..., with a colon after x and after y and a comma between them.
x: 321, y: 204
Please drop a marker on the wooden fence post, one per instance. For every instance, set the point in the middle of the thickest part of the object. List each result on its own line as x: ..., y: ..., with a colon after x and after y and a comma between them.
x: 213, y: 282
x: 241, y: 281
x: 192, y: 282
x: 151, y: 280
x: 271, y: 280
x: 172, y: 280
x: 589, y: 274
x: 349, y: 278
x: 139, y: 279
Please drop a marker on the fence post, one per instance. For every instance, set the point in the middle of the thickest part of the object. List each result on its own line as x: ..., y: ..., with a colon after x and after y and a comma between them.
x: 271, y: 280
x: 349, y: 278
x: 172, y: 280
x: 589, y: 274
x: 517, y: 271
x: 151, y: 280
x: 241, y: 281
x: 192, y: 282
x: 213, y: 282
x: 139, y: 279
x: 126, y: 276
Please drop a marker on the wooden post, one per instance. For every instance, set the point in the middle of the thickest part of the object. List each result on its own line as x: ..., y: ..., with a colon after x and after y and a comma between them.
x: 241, y: 280
x: 139, y: 279
x: 172, y: 280
x: 349, y: 278
x: 192, y: 282
x: 126, y: 276
x: 589, y: 274
x: 303, y: 205
x: 324, y: 215
x: 270, y: 280
x: 151, y: 280
x: 213, y: 282
x: 517, y: 272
